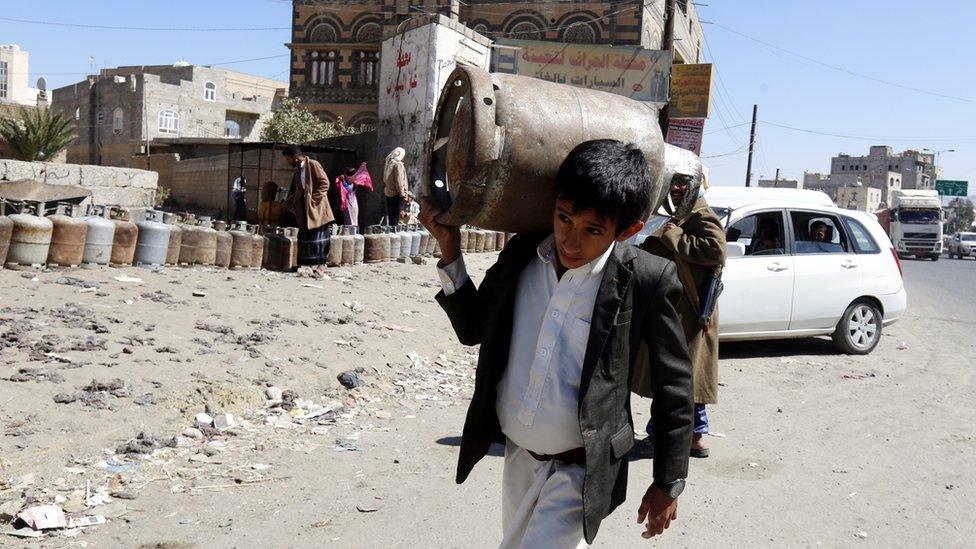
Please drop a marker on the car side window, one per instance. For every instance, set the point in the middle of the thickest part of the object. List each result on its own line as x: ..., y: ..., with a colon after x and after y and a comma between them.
x: 761, y: 234
x: 863, y: 241
x: 818, y: 233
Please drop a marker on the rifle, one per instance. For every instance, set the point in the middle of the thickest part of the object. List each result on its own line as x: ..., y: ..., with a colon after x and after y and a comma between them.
x: 713, y: 289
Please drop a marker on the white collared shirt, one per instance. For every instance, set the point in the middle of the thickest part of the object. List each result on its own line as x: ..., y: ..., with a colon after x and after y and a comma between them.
x: 301, y: 171
x: 538, y: 396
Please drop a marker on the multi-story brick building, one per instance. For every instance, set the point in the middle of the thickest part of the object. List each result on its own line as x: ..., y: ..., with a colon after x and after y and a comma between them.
x: 917, y: 169
x: 120, y: 111
x: 335, y: 44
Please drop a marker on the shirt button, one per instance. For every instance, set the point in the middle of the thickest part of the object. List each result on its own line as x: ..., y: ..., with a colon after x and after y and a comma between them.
x: 543, y: 352
x: 555, y: 314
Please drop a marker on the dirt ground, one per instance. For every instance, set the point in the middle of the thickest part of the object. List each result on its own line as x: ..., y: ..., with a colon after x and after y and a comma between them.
x: 811, y: 448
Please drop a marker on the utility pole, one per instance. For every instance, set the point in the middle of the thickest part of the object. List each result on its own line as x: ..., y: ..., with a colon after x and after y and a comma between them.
x: 666, y: 44
x: 776, y: 181
x: 752, y: 144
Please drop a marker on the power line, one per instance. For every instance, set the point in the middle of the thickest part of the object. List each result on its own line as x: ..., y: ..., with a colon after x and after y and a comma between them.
x: 868, y: 137
x: 152, y: 29
x: 844, y: 70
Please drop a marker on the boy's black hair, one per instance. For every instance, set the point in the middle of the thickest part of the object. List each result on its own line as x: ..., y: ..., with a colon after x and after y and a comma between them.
x: 291, y: 150
x: 350, y: 171
x: 609, y: 177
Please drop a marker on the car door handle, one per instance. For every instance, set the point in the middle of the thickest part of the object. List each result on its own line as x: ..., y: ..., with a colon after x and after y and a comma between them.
x: 849, y: 265
x: 776, y: 267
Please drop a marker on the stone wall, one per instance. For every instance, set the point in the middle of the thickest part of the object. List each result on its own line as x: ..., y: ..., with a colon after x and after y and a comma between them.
x: 114, y: 186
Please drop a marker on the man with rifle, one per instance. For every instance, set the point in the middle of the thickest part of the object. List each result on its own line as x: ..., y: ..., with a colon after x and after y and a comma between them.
x: 694, y: 239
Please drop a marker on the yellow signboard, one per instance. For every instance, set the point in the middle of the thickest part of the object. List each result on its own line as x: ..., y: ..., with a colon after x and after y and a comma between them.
x: 624, y: 70
x: 691, y: 89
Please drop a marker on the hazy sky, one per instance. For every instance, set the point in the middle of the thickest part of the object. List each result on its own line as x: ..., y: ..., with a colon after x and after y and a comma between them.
x: 926, y: 46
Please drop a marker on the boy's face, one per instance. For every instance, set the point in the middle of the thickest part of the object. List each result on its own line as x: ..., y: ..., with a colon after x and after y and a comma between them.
x: 584, y: 236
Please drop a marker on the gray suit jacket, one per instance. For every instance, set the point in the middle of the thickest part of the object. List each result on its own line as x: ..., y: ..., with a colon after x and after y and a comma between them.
x: 637, y: 301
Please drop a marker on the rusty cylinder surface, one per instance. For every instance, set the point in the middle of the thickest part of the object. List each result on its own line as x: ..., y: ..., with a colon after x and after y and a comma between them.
x: 30, y: 240
x: 257, y: 250
x: 6, y: 229
x: 67, y: 241
x: 499, y: 139
x: 241, y: 248
x: 124, y: 246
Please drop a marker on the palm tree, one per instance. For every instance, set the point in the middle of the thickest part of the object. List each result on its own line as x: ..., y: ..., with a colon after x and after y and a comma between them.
x: 37, y: 135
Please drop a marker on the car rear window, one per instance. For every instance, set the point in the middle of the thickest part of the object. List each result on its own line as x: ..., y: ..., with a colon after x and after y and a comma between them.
x: 863, y: 241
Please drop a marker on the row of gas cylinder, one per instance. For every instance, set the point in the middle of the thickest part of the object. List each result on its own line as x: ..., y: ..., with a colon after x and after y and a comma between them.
x: 107, y: 236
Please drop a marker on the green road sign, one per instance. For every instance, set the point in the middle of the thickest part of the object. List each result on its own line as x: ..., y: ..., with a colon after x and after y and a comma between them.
x: 947, y: 187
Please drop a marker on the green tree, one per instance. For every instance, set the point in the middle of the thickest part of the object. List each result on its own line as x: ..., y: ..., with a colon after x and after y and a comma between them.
x: 961, y: 215
x: 293, y: 124
x: 38, y: 134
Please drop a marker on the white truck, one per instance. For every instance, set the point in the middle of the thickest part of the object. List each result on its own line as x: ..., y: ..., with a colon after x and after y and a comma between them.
x: 914, y: 222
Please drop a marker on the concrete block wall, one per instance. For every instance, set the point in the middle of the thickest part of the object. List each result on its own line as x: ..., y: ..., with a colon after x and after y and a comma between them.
x: 116, y: 186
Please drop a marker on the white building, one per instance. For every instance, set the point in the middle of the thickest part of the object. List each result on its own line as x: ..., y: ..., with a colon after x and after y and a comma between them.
x: 15, y: 77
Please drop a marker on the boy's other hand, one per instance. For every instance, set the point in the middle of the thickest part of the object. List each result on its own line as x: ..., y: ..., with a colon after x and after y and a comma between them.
x: 659, y: 509
x: 448, y: 236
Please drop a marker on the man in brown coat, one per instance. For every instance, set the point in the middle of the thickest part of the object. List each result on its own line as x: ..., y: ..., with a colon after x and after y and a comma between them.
x: 309, y: 202
x: 696, y: 244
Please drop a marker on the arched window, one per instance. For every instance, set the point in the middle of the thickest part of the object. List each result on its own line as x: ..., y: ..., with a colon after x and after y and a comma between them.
x: 232, y: 129
x: 210, y: 91
x: 369, y: 32
x: 169, y: 122
x: 323, y: 32
x: 526, y: 30
x: 481, y: 28
x: 367, y: 68
x: 322, y: 68
x: 579, y: 33
x: 118, y: 119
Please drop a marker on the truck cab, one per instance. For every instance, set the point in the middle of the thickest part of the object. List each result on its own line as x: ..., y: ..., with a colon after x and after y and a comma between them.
x: 916, y: 218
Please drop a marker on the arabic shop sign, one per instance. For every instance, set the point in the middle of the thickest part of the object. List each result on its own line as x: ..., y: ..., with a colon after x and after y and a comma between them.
x: 686, y: 133
x: 636, y: 73
x: 691, y: 89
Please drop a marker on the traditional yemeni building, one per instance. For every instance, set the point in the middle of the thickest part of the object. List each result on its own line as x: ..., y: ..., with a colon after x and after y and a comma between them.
x: 335, y: 45
x: 917, y: 169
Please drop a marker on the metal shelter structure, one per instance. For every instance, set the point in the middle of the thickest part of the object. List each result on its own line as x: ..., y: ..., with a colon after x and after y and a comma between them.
x: 261, y: 163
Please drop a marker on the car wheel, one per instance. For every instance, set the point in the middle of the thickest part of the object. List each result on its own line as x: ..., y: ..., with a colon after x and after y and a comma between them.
x: 859, y: 330
x: 934, y: 257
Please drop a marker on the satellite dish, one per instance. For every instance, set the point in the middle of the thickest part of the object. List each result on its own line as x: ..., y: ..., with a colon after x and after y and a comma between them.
x: 41, y: 84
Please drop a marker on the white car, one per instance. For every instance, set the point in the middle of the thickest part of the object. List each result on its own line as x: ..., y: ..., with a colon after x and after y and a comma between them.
x: 962, y: 245
x: 781, y: 282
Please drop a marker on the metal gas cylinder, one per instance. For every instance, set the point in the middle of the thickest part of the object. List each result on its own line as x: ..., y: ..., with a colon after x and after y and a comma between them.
x: 225, y: 244
x: 292, y: 234
x: 279, y: 251
x: 414, y: 241
x: 30, y: 237
x: 126, y: 238
x: 480, y: 237
x: 206, y: 249
x: 499, y: 241
x: 334, y: 258
x: 406, y: 241
x: 437, y: 248
x: 431, y: 244
x: 190, y: 246
x: 267, y: 232
x: 499, y: 139
x: 348, y: 245
x: 257, y: 247
x: 465, y: 236
x: 175, y: 239
x: 424, y: 242
x: 394, y: 243
x: 99, y: 237
x: 490, y: 241
x: 359, y: 245
x: 6, y: 229
x: 374, y: 244
x: 152, y: 246
x: 242, y: 246
x: 67, y: 237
